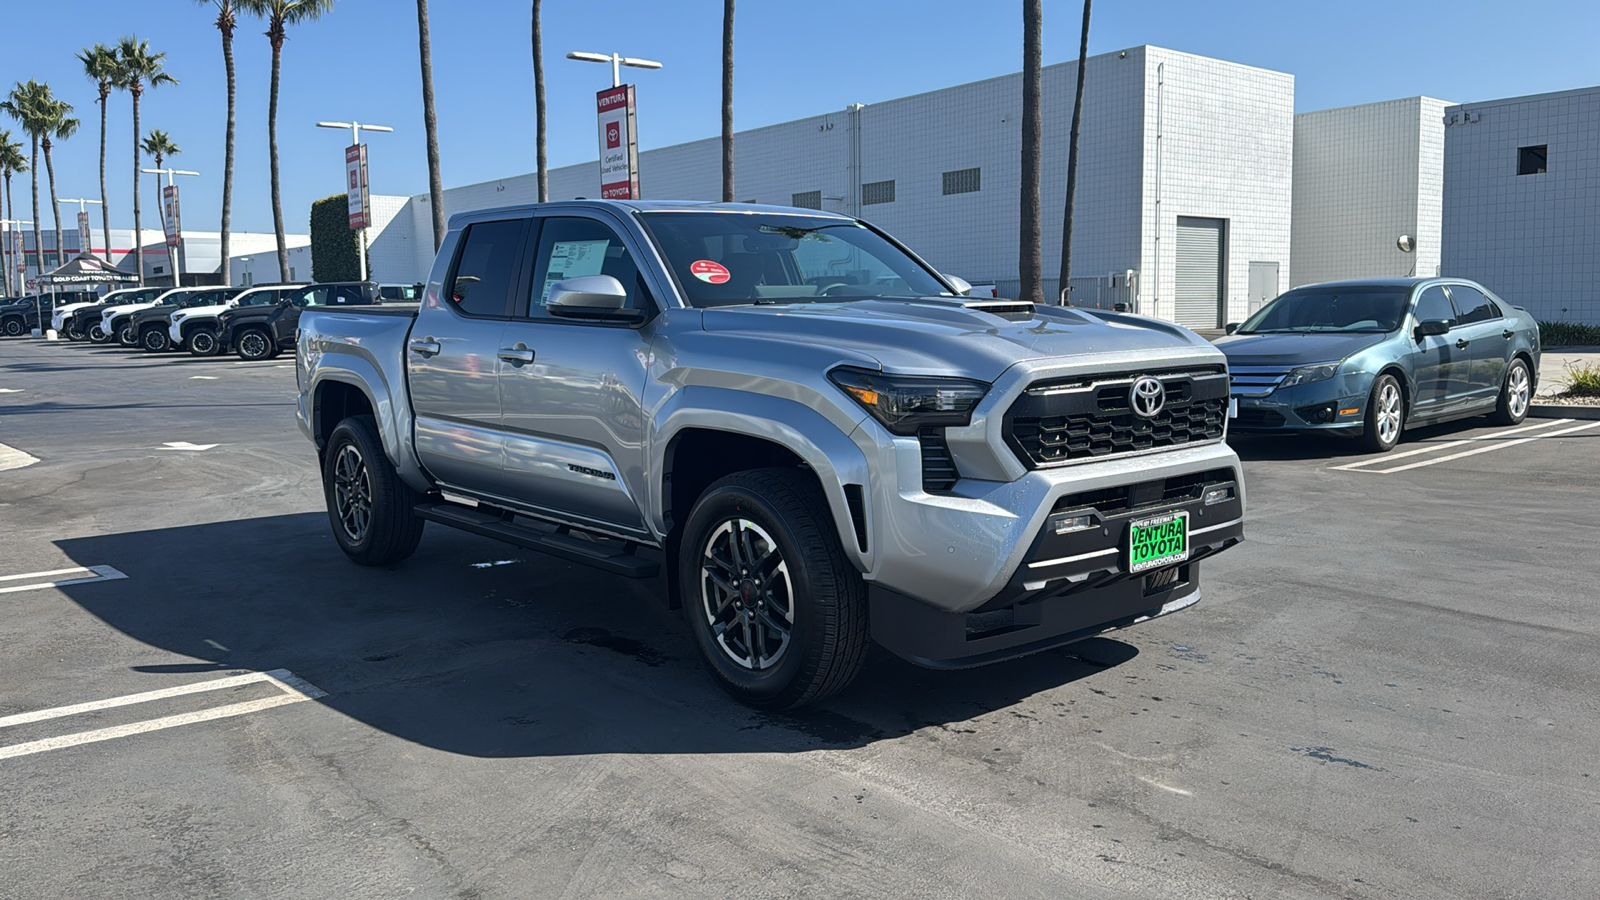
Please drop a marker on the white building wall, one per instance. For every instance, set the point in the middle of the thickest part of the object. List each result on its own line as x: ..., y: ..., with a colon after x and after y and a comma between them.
x: 1222, y: 137
x: 1532, y: 239
x: 1364, y: 176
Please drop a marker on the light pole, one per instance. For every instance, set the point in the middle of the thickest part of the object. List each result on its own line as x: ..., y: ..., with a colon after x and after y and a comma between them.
x: 9, y: 227
x: 355, y: 140
x: 83, y: 210
x: 173, y: 257
x: 616, y: 61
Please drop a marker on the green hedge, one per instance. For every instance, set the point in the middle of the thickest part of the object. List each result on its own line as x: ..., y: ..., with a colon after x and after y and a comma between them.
x: 1568, y: 334
x: 334, y: 254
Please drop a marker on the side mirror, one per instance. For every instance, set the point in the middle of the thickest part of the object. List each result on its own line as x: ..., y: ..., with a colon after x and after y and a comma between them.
x: 963, y: 287
x: 591, y: 297
x: 1432, y: 327
x: 1232, y: 327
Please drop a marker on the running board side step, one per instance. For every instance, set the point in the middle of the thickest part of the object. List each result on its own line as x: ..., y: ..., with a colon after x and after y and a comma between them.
x: 614, y: 556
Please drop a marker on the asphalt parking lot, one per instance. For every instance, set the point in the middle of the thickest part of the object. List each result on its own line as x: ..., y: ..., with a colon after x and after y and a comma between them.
x: 1391, y: 690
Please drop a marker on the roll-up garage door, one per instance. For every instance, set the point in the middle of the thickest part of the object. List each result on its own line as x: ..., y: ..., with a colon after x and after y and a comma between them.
x: 1200, y: 288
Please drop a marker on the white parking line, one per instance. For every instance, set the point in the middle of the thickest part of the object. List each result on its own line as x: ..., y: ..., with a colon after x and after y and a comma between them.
x: 10, y: 390
x: 1434, y: 448
x: 185, y: 445
x: 12, y: 458
x: 294, y: 690
x: 82, y: 575
x: 1476, y: 451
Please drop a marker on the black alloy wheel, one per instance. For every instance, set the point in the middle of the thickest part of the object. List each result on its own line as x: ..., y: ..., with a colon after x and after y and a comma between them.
x: 126, y: 336
x: 154, y: 338
x: 255, y: 345
x: 97, y: 333
x: 372, y: 511
x: 203, y: 342
x: 15, y: 328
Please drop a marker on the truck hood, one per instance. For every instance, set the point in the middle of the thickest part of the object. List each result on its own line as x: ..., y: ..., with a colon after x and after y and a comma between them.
x: 941, y: 335
x: 1293, y: 349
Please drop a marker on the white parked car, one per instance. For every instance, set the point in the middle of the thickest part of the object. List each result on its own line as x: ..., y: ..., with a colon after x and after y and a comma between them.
x: 196, y: 327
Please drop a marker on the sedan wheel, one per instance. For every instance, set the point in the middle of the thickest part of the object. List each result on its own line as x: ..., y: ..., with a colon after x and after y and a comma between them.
x: 1386, y: 415
x: 1515, y: 395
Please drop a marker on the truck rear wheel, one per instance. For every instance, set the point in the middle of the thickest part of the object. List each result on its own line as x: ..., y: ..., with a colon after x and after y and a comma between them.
x: 779, y: 613
x: 126, y: 336
x: 203, y: 342
x: 97, y: 333
x: 371, y: 510
x: 14, y: 327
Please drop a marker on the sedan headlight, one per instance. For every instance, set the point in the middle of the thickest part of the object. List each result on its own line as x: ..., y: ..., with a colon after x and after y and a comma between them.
x: 1310, y: 374
x: 905, y: 403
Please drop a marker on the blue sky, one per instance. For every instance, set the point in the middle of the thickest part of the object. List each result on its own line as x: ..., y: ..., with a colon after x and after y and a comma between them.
x: 792, y: 60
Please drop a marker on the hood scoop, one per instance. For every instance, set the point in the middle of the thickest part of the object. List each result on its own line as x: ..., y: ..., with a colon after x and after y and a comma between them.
x: 1016, y: 310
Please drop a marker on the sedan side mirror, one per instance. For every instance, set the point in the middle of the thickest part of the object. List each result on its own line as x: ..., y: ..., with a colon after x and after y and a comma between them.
x: 599, y: 297
x: 1231, y: 327
x: 1432, y: 327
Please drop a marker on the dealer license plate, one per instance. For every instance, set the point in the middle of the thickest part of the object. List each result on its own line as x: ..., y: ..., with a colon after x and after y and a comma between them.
x: 1158, y: 541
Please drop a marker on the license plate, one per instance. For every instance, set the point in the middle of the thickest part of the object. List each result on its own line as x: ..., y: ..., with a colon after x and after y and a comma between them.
x: 1158, y: 541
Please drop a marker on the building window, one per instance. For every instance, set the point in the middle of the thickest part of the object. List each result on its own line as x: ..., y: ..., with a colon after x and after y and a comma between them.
x: 807, y: 200
x: 291, y: 273
x: 961, y: 181
x: 1531, y: 160
x: 877, y: 192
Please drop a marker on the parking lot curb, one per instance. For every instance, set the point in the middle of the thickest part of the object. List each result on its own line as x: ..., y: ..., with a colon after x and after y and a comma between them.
x: 1557, y: 411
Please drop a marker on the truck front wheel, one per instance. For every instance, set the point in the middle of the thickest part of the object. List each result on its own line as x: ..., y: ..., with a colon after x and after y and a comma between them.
x: 254, y: 344
x: 779, y: 613
x: 203, y: 342
x: 371, y: 510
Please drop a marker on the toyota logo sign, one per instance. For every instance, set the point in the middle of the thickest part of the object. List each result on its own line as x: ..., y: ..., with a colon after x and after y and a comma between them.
x: 1147, y: 396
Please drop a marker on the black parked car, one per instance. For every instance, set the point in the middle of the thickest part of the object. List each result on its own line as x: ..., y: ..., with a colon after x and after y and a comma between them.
x: 89, y: 321
x: 152, y: 325
x: 24, y: 314
x: 262, y: 332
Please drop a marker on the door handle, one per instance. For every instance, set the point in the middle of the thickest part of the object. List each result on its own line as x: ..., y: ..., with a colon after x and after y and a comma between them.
x: 426, y: 347
x: 517, y: 355
x: 1462, y: 343
x: 1508, y: 334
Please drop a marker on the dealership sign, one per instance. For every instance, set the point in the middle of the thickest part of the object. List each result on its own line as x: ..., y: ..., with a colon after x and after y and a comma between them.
x: 619, y: 144
x: 16, y: 250
x: 355, y: 176
x: 85, y: 244
x: 169, y: 197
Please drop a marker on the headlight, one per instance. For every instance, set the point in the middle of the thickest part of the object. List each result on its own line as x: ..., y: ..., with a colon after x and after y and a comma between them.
x: 177, y: 317
x: 904, y: 403
x: 1310, y: 374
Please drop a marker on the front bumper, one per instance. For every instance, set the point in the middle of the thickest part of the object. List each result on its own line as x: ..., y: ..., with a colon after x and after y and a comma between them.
x: 1338, y: 405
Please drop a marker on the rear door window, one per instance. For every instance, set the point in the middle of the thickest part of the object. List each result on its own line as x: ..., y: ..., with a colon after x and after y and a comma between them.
x: 486, y: 268
x: 1471, y: 305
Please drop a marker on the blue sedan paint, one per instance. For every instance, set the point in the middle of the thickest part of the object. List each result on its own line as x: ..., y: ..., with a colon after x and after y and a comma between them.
x: 1449, y: 376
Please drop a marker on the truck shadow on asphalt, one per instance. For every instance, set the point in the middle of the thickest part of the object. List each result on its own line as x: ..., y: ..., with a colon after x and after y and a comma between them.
x: 482, y: 649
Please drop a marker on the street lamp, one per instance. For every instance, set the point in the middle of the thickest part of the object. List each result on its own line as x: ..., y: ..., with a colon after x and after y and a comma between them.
x: 173, y: 259
x: 247, y: 277
x: 616, y: 61
x: 355, y: 140
x: 83, y: 210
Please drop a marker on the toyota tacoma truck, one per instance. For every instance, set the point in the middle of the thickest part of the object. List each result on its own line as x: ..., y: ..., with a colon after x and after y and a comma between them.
x: 810, y: 433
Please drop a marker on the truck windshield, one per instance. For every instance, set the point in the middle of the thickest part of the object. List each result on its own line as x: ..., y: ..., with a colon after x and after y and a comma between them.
x: 1372, y: 308
x: 726, y: 259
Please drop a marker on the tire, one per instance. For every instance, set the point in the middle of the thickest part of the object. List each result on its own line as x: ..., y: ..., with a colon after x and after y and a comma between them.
x: 203, y: 342
x: 71, y: 331
x: 14, y: 327
x: 781, y: 514
x: 1386, y: 415
x: 154, y: 339
x: 371, y: 510
x: 125, y: 335
x: 255, y: 345
x: 97, y: 334
x: 1516, y: 393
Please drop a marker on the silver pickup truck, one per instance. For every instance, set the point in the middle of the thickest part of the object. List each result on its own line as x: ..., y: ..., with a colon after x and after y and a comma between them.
x: 811, y: 433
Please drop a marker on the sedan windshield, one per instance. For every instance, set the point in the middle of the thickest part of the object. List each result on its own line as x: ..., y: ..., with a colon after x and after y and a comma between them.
x: 725, y: 259
x: 1372, y: 308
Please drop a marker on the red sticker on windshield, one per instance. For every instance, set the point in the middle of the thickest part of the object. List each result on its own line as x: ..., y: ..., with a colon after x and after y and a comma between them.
x: 709, y: 272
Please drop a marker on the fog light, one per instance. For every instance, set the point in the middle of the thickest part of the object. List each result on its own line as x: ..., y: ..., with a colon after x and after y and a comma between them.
x: 1068, y: 524
x: 1218, y: 495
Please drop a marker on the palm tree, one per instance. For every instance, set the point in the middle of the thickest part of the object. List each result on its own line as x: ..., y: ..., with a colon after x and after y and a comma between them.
x: 727, y: 101
x: 1030, y: 254
x: 227, y: 21
x: 538, y: 106
x: 1072, y: 163
x: 42, y: 116
x: 280, y: 14
x: 100, y: 64
x: 160, y: 146
x: 430, y: 124
x: 11, y: 161
x: 137, y: 69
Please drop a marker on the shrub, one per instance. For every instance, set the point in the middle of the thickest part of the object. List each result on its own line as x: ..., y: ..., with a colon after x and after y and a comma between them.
x: 333, y: 245
x: 1581, y: 380
x: 1568, y: 334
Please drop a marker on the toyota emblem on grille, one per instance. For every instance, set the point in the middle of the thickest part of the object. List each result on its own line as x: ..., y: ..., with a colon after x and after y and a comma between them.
x: 1147, y: 397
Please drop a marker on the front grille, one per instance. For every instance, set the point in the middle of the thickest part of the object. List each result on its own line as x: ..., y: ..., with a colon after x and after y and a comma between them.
x: 1160, y: 492
x: 1259, y: 418
x: 1257, y: 381
x: 939, y: 473
x: 1056, y: 423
